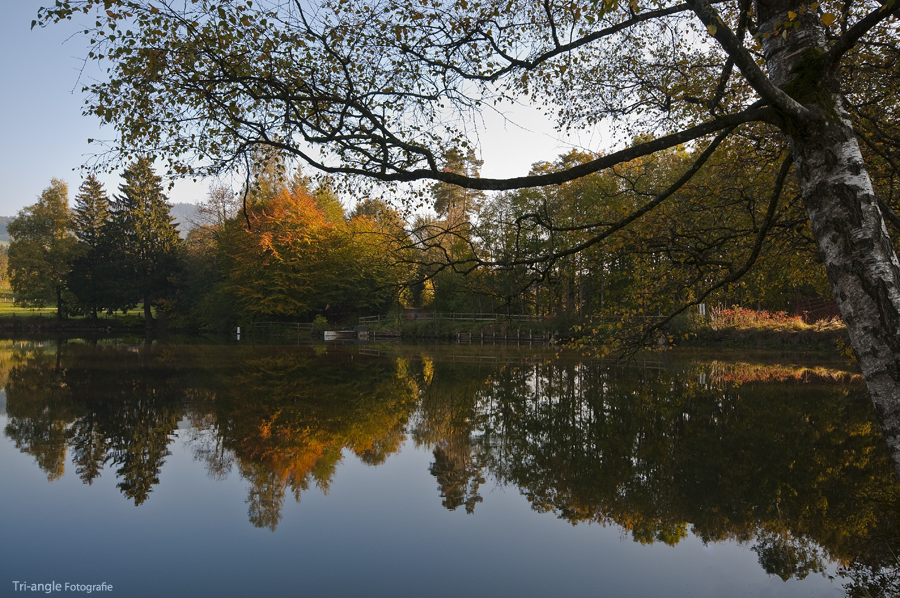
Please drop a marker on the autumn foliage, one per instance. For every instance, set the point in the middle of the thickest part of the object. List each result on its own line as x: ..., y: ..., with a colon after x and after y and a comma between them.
x: 741, y: 318
x: 291, y: 260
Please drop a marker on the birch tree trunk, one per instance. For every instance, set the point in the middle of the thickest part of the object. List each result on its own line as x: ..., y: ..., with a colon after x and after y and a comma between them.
x: 846, y: 222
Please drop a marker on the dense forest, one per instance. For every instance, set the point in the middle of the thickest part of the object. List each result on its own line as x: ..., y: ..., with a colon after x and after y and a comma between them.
x: 294, y: 252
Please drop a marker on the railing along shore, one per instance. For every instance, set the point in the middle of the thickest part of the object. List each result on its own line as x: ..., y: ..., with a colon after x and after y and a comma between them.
x: 450, y: 316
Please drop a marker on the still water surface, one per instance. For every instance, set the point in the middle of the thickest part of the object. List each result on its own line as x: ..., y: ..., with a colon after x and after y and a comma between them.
x: 204, y: 470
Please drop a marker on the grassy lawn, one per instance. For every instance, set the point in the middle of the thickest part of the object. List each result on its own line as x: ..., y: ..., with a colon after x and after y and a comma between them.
x: 9, y: 309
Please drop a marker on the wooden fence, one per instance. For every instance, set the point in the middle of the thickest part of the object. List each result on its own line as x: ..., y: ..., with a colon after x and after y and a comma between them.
x: 451, y: 316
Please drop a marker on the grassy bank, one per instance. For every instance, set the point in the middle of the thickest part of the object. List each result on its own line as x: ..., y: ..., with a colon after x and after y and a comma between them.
x: 32, y: 319
x: 738, y: 327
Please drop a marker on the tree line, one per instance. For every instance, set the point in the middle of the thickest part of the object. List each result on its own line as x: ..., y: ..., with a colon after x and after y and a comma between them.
x: 483, y: 252
x: 379, y: 89
x: 293, y: 252
x: 104, y: 254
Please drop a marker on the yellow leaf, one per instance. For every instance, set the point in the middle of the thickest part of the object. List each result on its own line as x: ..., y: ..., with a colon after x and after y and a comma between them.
x: 828, y: 18
x: 792, y: 15
x: 711, y: 29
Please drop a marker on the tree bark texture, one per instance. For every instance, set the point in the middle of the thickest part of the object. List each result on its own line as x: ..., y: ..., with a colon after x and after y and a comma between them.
x: 148, y: 315
x: 847, y: 224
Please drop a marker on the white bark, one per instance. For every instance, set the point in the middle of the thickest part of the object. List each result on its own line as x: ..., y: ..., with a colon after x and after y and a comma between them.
x: 853, y: 241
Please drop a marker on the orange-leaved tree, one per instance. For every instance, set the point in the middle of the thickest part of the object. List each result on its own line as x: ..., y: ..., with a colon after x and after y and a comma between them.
x: 293, y: 261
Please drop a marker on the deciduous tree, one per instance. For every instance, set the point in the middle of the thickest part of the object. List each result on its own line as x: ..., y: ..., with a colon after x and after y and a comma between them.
x: 383, y: 86
x: 41, y: 249
x: 293, y: 262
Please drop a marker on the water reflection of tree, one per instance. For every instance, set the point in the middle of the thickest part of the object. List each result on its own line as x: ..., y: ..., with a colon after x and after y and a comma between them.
x: 120, y: 415
x: 284, y: 417
x: 287, y: 418
x: 139, y: 444
x: 266, y: 494
x: 868, y: 580
x: 134, y: 407
x: 788, y: 557
x: 796, y: 469
x: 90, y: 447
x: 202, y: 434
x: 39, y: 409
x: 448, y: 423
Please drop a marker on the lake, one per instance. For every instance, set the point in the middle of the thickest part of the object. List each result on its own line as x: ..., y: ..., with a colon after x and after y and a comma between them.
x: 204, y: 469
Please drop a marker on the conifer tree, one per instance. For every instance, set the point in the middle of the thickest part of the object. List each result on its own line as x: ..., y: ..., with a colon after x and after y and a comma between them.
x: 141, y: 240
x: 89, y: 217
x: 456, y: 203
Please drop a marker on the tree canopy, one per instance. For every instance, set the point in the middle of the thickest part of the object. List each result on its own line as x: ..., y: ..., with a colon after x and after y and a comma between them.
x: 381, y: 88
x: 41, y: 249
x: 90, y: 216
x: 378, y: 84
x: 299, y: 256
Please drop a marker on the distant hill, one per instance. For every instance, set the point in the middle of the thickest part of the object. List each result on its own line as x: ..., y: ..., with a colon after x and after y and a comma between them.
x: 4, y: 236
x: 184, y: 213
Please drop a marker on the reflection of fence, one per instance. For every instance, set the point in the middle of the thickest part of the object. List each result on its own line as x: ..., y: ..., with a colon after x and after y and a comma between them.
x: 451, y: 316
x: 279, y: 328
x: 373, y: 352
x: 538, y: 358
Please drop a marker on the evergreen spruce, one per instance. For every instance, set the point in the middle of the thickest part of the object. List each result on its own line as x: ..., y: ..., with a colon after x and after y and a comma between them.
x: 89, y: 217
x: 142, y: 240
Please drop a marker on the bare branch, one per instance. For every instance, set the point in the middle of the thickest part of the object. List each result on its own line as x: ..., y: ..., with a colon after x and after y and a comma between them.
x: 752, y: 114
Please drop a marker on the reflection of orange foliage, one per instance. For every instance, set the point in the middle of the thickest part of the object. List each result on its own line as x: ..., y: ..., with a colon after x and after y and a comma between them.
x: 739, y: 373
x: 288, y: 453
x: 265, y: 429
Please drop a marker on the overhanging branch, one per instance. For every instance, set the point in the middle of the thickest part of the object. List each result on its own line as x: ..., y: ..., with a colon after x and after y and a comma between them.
x: 753, y: 114
x: 751, y: 259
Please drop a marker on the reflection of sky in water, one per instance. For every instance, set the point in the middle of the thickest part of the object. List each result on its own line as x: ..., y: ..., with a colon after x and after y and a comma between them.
x: 380, y: 531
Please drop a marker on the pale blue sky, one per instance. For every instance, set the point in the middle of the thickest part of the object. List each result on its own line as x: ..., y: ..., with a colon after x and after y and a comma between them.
x: 41, y: 127
x: 42, y: 130
x: 44, y: 134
